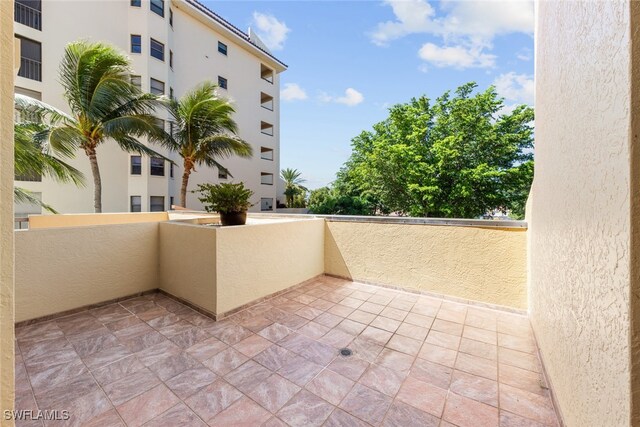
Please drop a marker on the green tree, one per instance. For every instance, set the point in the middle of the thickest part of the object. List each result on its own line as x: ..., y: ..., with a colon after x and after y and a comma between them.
x: 33, y: 155
x: 204, y: 132
x: 104, y: 106
x: 292, y: 184
x: 328, y: 201
x: 457, y: 157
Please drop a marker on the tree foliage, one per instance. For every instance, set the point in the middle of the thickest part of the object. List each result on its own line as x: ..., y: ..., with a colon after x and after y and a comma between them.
x: 460, y: 156
x: 294, y: 191
x: 204, y: 132
x: 33, y: 155
x: 104, y: 105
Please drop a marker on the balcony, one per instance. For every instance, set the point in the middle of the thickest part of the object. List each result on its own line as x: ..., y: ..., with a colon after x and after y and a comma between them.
x: 266, y: 101
x: 27, y: 15
x: 159, y: 336
x: 30, y: 69
x: 266, y: 128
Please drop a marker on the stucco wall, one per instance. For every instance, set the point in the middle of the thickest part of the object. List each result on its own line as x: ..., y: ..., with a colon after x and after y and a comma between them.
x: 580, y: 222
x: 187, y: 262
x: 81, y: 220
x: 257, y: 260
x: 479, y: 264
x: 61, y: 269
x: 7, y: 73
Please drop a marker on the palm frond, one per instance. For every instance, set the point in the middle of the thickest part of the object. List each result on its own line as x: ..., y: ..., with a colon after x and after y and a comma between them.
x: 21, y: 195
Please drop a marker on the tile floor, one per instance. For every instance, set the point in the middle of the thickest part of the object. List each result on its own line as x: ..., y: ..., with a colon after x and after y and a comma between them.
x: 417, y: 361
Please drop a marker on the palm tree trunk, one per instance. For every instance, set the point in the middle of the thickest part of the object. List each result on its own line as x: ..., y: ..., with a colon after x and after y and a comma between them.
x: 185, y: 183
x: 97, y: 182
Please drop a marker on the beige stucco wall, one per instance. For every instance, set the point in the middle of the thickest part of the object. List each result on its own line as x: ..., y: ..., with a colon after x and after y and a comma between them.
x: 81, y: 220
x: 7, y: 73
x: 478, y: 264
x: 187, y: 262
x: 257, y: 260
x: 65, y: 268
x: 580, y: 281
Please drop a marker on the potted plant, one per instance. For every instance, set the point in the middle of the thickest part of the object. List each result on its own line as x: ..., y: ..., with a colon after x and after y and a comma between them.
x: 230, y: 200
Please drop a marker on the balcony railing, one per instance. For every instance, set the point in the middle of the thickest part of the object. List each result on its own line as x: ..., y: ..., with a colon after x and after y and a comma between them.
x: 27, y: 15
x: 30, y: 69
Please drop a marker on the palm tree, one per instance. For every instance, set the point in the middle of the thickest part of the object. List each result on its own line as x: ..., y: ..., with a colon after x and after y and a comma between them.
x: 33, y: 155
x: 104, y: 105
x: 204, y: 132
x: 292, y: 184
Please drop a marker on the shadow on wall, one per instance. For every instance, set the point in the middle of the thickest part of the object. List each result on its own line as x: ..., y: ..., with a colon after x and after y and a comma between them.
x: 334, y: 262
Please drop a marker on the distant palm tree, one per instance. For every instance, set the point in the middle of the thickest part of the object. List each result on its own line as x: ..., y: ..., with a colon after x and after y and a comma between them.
x: 204, y: 132
x: 96, y: 81
x: 33, y: 155
x: 292, y: 184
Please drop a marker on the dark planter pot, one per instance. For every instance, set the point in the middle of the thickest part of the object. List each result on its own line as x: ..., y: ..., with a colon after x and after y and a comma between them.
x: 233, y: 218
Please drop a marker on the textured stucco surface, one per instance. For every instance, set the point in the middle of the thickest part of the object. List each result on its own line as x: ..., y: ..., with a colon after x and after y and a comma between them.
x: 580, y: 223
x: 478, y: 264
x: 80, y: 220
x: 6, y: 208
x: 254, y: 261
x: 61, y: 269
x: 187, y: 262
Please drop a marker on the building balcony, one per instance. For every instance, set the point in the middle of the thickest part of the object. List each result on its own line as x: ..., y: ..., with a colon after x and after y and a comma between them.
x: 167, y: 319
x: 27, y: 15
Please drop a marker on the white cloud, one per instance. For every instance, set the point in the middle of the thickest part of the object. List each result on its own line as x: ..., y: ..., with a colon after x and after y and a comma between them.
x: 351, y: 97
x: 518, y: 88
x: 412, y: 16
x: 456, y: 56
x: 479, y: 20
x: 271, y: 31
x: 463, y: 26
x: 524, y: 54
x: 293, y: 92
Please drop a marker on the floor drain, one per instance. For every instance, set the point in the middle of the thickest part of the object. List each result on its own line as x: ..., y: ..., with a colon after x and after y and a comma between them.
x: 345, y: 352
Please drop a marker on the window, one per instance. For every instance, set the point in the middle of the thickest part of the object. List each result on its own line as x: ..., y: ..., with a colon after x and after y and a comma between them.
x: 157, y: 6
x: 136, y: 43
x: 171, y: 202
x: 156, y: 49
x: 170, y: 170
x: 171, y: 17
x: 222, y: 174
x: 171, y: 58
x: 156, y: 203
x: 29, y: 177
x: 266, y: 204
x: 157, y: 166
x: 157, y: 87
x: 222, y: 48
x: 137, y: 81
x: 136, y: 3
x: 222, y: 82
x: 170, y: 92
x: 30, y: 59
x: 266, y: 101
x: 266, y: 73
x: 171, y: 127
x: 29, y: 13
x: 266, y: 153
x: 136, y: 204
x: 266, y: 128
x: 136, y: 165
x: 266, y: 178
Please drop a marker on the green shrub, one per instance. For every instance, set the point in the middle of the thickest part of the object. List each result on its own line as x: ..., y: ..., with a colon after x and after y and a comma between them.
x: 224, y: 198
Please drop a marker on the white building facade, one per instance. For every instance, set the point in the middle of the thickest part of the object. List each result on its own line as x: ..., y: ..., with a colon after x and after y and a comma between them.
x: 173, y: 45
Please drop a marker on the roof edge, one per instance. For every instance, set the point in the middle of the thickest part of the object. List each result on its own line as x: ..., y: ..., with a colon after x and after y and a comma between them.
x: 231, y: 28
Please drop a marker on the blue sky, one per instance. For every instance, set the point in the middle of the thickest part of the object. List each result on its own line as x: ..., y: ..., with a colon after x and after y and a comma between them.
x: 350, y: 60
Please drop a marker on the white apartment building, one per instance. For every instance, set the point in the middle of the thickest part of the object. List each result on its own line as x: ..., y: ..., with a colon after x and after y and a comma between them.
x: 173, y: 45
